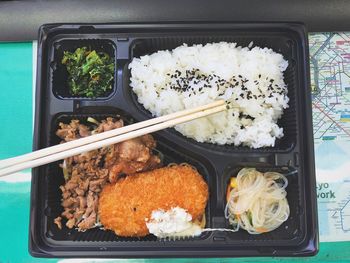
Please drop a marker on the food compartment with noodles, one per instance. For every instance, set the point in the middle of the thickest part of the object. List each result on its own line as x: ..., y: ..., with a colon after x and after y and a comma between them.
x: 267, y: 196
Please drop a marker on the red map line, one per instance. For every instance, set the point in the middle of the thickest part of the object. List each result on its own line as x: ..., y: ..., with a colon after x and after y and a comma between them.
x: 329, y: 117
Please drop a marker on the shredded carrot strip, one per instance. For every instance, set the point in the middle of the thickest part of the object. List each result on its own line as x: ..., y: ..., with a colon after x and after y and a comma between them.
x: 228, y: 191
x: 261, y: 230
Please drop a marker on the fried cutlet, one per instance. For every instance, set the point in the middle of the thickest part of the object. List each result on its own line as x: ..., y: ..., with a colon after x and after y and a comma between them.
x: 125, y: 206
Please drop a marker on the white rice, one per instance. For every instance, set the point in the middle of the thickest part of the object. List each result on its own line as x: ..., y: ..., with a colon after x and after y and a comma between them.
x: 251, y: 80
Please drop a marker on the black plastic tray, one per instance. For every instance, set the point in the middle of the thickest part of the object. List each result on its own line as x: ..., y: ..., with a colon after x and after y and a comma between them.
x: 298, y: 236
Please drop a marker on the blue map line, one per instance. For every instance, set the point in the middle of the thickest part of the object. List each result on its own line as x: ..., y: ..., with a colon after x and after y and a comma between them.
x: 314, y: 60
x: 341, y: 216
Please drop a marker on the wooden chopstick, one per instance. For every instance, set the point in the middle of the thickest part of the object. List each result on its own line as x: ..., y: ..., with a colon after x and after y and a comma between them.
x: 101, y: 136
x: 51, y: 154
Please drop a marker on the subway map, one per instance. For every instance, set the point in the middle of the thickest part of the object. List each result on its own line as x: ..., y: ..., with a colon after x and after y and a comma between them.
x: 330, y: 83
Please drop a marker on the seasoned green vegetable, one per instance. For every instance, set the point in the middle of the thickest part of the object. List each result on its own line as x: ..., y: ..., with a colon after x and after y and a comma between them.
x: 90, y: 72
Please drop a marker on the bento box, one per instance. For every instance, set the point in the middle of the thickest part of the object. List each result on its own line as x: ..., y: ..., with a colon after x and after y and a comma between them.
x: 291, y: 155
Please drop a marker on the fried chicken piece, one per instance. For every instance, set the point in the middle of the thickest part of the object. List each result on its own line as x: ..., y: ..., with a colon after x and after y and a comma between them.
x: 130, y: 167
x: 125, y: 206
x: 133, y: 150
x: 132, y: 156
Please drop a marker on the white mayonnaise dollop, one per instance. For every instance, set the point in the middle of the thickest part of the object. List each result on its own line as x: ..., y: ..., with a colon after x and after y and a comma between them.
x: 175, y: 222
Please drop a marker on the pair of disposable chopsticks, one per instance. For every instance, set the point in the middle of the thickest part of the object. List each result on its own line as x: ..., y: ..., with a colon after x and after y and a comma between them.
x: 61, y: 151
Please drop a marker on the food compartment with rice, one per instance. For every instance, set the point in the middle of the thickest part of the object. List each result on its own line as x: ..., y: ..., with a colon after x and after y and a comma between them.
x: 113, y: 187
x: 76, y: 186
x: 274, y: 195
x: 176, y: 72
x: 83, y: 69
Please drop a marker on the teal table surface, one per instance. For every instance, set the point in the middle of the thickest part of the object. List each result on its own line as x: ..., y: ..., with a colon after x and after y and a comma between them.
x: 16, y: 93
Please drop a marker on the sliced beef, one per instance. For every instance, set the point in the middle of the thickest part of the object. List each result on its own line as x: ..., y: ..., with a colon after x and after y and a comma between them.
x: 71, y: 223
x: 58, y: 222
x: 90, y: 171
x: 69, y: 132
x: 109, y: 124
x: 84, y: 131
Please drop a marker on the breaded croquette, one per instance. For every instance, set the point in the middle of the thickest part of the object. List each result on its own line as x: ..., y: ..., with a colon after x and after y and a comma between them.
x: 125, y: 206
